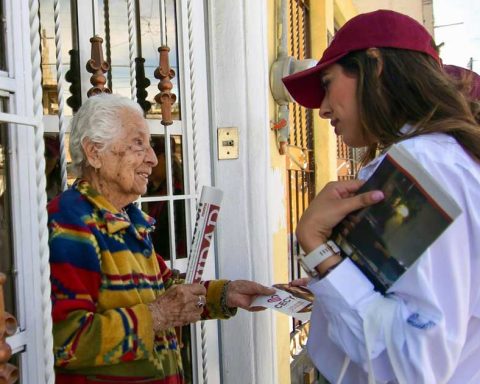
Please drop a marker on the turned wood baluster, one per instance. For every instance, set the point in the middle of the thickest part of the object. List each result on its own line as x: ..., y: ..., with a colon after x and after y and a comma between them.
x: 165, y: 98
x: 97, y: 66
x: 8, y: 326
x: 73, y: 76
x: 142, y: 84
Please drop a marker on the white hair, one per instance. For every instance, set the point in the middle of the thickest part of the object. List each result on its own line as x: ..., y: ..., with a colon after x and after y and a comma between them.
x: 98, y: 120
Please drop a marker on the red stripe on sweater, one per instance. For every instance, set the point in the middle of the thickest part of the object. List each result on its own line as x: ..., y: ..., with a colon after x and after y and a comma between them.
x: 135, y: 327
x: 75, y: 280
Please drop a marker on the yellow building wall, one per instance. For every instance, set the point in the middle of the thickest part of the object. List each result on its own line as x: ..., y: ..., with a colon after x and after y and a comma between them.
x: 280, y: 239
x: 324, y: 15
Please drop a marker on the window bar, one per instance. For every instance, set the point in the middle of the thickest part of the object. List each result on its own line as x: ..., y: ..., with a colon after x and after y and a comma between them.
x: 294, y: 47
x: 62, y: 126
x: 298, y: 212
x: 203, y: 330
x: 164, y: 73
x: 142, y: 82
x: 311, y: 157
x: 291, y: 34
x: 295, y: 272
x: 108, y: 52
x: 301, y: 55
x: 41, y: 191
x: 97, y: 67
x: 193, y: 96
x: 171, y: 215
x: 73, y: 74
x: 131, y: 47
x: 163, y: 25
x: 293, y: 243
x: 298, y: 55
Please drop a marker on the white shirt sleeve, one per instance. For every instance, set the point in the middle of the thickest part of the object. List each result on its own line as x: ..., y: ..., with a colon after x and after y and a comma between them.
x: 417, y: 333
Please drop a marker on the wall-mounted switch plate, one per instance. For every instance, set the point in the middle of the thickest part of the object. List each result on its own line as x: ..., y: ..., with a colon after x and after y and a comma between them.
x: 227, y: 143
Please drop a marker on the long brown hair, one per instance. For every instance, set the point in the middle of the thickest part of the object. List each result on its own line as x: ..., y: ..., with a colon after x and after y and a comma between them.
x: 411, y: 88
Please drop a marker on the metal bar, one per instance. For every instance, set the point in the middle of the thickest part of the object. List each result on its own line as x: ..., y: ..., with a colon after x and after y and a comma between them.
x: 108, y: 50
x: 41, y: 197
x: 131, y: 48
x: 163, y: 27
x: 167, y: 198
x: 15, y: 119
x: 8, y: 84
x: 61, y: 103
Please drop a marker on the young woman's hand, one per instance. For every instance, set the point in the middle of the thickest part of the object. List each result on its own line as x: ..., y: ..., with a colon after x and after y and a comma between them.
x: 335, y: 201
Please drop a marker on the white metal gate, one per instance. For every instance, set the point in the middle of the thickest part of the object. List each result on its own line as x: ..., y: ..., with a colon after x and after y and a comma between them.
x: 34, y: 121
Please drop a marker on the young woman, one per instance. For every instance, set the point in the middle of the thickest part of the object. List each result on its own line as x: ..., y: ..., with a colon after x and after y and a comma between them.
x: 381, y: 82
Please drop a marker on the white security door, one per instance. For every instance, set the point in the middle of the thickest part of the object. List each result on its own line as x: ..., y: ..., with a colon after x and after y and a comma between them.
x: 23, y: 231
x: 131, y: 33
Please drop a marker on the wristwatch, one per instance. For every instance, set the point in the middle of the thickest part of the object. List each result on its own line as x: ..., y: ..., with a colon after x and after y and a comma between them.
x: 317, y: 256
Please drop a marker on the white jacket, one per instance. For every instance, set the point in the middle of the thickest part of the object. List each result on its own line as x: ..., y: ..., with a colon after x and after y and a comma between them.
x: 428, y: 329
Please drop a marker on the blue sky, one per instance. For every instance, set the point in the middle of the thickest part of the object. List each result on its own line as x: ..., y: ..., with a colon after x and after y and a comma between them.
x: 462, y: 40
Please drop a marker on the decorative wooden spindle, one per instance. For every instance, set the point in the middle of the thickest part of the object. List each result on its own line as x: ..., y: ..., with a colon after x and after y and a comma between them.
x: 165, y: 98
x: 73, y: 76
x: 142, y: 84
x: 8, y: 326
x: 97, y: 66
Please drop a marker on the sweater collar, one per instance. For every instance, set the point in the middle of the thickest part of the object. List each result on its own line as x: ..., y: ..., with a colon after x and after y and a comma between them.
x: 115, y: 220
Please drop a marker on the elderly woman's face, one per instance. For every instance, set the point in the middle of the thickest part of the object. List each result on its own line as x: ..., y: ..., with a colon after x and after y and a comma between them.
x: 127, y: 162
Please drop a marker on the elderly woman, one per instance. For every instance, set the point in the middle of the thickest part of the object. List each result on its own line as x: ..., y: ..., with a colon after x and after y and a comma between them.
x: 115, y: 303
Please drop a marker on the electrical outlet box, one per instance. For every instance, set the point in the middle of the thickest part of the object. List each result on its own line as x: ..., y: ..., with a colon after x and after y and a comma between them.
x: 227, y: 143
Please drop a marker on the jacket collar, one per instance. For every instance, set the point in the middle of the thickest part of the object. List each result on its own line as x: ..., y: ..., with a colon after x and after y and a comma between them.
x: 368, y: 169
x: 115, y: 220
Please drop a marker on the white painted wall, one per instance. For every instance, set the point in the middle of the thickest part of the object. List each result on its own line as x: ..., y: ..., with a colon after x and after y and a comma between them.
x: 239, y: 80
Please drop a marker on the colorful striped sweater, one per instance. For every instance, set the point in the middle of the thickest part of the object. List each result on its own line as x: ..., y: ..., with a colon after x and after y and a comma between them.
x: 104, y: 271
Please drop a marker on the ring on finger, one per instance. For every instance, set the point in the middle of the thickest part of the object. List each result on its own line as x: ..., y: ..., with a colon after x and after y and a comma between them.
x: 201, y: 301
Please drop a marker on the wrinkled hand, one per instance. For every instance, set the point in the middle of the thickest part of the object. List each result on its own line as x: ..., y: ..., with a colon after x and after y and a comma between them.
x: 240, y: 293
x: 335, y: 201
x: 177, y: 306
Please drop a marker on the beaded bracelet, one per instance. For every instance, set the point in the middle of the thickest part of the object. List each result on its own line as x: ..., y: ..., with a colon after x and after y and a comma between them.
x: 229, y: 311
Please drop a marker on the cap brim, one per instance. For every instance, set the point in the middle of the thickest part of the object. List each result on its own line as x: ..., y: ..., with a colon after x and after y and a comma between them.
x: 306, y: 86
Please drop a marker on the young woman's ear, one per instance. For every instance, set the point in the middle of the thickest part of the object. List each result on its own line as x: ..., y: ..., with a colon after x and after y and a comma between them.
x: 375, y: 53
x: 91, y: 153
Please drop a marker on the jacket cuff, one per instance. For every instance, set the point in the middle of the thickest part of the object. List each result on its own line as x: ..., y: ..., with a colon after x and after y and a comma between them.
x: 216, y: 307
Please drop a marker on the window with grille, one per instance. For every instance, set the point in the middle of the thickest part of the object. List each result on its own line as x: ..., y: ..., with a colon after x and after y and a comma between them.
x: 166, y: 198
x: 300, y: 160
x: 6, y: 251
x: 125, y: 34
x: 348, y: 160
x: 300, y: 175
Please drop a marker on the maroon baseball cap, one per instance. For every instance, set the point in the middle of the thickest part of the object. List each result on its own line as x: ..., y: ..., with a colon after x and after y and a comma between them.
x: 378, y: 29
x: 464, y: 74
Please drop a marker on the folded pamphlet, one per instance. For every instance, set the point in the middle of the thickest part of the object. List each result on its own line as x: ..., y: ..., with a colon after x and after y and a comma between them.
x: 386, y: 238
x: 293, y: 301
